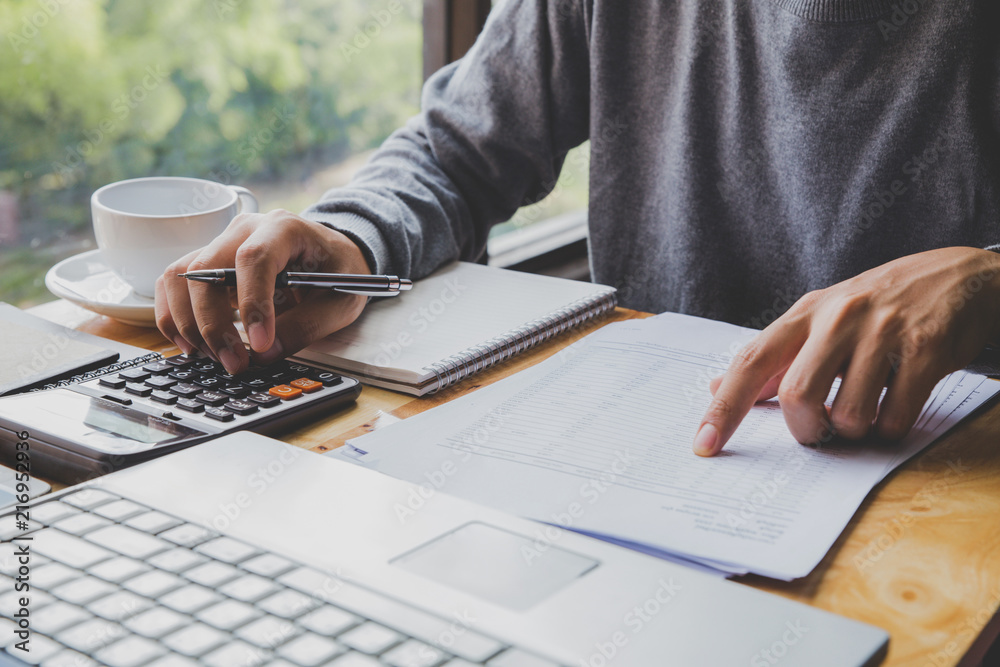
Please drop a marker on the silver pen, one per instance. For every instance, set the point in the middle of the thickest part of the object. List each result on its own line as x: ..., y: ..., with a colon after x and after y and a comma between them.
x: 349, y: 283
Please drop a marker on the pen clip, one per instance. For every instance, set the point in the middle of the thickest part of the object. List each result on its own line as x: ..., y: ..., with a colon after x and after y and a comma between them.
x: 364, y: 292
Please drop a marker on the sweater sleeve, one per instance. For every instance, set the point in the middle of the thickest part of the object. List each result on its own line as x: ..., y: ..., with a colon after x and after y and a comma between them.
x: 492, y: 135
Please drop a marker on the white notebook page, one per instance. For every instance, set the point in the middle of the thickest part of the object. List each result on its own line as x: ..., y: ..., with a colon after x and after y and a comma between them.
x: 457, y: 308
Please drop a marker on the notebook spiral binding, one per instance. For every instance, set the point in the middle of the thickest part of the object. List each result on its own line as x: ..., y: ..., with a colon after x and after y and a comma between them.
x: 480, y: 357
x: 103, y: 370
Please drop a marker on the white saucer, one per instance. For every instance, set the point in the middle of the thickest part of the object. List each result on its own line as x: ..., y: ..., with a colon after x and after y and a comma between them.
x: 87, y: 281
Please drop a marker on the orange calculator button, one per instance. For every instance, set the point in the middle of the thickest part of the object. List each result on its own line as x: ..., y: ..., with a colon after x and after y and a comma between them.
x: 306, y: 385
x: 284, y: 392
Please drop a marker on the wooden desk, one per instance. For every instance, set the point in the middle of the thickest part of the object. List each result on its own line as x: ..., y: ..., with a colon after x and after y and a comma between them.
x: 921, y: 558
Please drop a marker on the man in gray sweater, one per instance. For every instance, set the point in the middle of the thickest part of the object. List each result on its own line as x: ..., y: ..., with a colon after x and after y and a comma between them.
x: 843, y: 155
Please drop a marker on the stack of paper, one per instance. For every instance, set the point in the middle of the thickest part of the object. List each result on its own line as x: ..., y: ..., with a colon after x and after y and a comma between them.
x: 598, y: 439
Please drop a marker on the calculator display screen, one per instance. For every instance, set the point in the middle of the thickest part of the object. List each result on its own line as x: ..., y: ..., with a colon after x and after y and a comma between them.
x: 92, y: 423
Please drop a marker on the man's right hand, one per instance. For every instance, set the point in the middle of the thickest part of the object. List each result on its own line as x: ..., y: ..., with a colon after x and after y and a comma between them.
x: 278, y: 323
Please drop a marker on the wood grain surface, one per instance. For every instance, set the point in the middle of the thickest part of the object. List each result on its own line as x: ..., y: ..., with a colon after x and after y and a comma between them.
x: 921, y: 558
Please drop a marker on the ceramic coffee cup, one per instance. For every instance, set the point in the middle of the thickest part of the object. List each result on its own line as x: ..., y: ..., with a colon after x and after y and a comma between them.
x: 144, y: 224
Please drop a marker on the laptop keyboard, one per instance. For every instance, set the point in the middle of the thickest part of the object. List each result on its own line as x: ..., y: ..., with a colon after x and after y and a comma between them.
x: 128, y: 585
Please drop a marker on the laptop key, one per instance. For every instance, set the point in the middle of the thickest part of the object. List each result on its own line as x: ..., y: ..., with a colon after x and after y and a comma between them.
x: 50, y: 575
x: 128, y: 541
x: 249, y: 588
x: 517, y: 658
x: 49, y: 513
x: 118, y: 569
x: 226, y: 549
x: 83, y: 591
x: 88, y: 498
x: 268, y: 632
x: 267, y: 565
x: 68, y: 549
x: 152, y: 522
x: 55, y: 617
x: 328, y: 621
x: 195, y: 640
x: 156, y: 622
x: 309, y: 650
x: 174, y: 661
x: 10, y: 602
x: 288, y: 604
x: 228, y: 615
x: 153, y: 584
x: 42, y: 648
x: 119, y: 510
x: 89, y: 636
x: 119, y: 606
x: 412, y: 653
x: 12, y: 525
x: 371, y: 638
x: 176, y: 560
x: 187, y: 535
x: 189, y: 599
x: 130, y: 652
x: 354, y: 659
x: 212, y: 574
x: 81, y: 523
x: 70, y: 658
x: 237, y: 653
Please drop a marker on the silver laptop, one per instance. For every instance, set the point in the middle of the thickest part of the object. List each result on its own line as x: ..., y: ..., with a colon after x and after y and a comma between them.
x: 246, y: 551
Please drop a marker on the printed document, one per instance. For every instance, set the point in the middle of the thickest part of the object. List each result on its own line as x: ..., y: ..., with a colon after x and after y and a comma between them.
x: 598, y: 439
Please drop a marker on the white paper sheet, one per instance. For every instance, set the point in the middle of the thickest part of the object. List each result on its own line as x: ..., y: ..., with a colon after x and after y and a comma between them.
x: 598, y: 439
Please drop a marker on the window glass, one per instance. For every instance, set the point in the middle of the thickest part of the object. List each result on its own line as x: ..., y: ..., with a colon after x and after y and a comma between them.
x: 286, y: 97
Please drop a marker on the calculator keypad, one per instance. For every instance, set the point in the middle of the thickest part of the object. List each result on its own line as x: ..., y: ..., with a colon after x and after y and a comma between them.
x: 199, y: 386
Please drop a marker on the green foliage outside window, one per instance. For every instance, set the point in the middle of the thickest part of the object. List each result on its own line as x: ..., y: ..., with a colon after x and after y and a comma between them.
x: 240, y: 91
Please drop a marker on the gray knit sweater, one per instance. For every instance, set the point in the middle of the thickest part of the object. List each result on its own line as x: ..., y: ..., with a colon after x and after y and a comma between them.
x: 743, y: 152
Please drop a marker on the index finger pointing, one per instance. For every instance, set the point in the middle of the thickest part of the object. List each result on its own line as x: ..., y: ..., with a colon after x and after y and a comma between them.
x: 763, y: 358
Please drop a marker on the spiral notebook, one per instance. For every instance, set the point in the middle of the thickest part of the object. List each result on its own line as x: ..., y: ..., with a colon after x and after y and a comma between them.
x: 454, y: 323
x: 38, y: 354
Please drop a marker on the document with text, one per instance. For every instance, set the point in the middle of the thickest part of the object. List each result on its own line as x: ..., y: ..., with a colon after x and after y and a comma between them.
x: 597, y: 439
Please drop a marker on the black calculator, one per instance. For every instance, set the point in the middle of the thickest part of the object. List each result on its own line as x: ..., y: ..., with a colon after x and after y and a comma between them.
x: 134, y: 414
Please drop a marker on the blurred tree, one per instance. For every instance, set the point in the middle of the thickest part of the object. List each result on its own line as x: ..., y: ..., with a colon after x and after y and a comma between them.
x: 93, y: 91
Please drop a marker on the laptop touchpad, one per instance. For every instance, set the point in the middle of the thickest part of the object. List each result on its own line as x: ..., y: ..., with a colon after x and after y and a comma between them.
x: 503, y: 567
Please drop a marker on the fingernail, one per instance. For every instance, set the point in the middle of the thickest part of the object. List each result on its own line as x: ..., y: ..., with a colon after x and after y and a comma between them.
x: 257, y: 335
x: 704, y: 442
x: 229, y: 359
x: 276, y: 351
x: 183, y: 345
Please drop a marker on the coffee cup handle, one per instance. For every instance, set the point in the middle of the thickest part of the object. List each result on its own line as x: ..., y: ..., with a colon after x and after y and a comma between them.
x: 248, y: 203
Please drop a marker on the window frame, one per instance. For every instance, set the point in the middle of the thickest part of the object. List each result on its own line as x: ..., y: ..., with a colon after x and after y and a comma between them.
x: 555, y: 246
